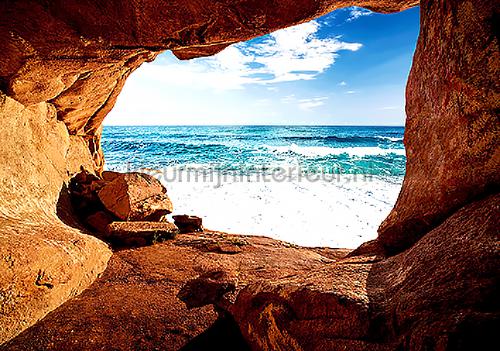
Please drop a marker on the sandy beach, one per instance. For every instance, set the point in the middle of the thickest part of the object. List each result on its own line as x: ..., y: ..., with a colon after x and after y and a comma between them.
x: 342, y: 211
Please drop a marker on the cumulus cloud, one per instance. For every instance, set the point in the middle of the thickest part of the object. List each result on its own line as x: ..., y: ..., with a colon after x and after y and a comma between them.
x: 357, y: 12
x: 343, y: 83
x: 291, y: 54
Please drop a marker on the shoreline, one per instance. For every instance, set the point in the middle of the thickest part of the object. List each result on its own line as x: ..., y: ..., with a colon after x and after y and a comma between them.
x: 342, y: 213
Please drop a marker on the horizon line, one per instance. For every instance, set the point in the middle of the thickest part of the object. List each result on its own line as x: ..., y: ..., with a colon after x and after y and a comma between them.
x: 253, y: 125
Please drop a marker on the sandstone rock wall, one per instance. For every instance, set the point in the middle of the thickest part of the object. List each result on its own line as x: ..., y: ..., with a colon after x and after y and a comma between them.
x: 452, y: 127
x: 43, y: 262
x: 64, y: 62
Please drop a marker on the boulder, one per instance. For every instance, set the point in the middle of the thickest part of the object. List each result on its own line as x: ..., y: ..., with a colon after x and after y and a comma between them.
x: 188, y: 224
x: 135, y: 197
x: 134, y: 234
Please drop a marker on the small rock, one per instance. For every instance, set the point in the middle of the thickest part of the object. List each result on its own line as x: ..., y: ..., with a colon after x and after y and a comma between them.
x: 134, y: 234
x: 188, y: 224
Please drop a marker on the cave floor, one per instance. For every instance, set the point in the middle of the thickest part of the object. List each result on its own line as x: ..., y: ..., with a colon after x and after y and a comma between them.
x: 134, y: 305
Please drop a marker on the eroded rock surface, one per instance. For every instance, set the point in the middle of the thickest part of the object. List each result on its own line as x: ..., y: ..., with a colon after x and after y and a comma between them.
x: 452, y: 127
x: 43, y: 262
x: 135, y: 305
x: 63, y: 65
x: 134, y: 234
x: 439, y: 295
x: 135, y: 197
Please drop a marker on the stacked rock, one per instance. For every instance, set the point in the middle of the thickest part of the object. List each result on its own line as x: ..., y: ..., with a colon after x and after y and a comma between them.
x: 125, y: 209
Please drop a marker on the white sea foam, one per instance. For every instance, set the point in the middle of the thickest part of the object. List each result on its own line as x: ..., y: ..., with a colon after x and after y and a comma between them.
x: 315, y: 151
x: 390, y: 138
x: 341, y: 213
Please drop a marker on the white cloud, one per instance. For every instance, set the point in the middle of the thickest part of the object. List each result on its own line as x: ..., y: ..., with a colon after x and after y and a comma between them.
x: 357, y: 12
x: 308, y: 104
x: 305, y: 104
x: 291, y: 54
x: 343, y: 83
x: 296, y: 53
x: 328, y: 19
x: 350, y: 92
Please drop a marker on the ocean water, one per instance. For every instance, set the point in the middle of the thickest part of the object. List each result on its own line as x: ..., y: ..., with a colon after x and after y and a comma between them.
x: 257, y: 149
x: 334, y: 208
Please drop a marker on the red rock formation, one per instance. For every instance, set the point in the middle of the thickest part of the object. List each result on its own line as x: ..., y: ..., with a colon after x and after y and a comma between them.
x: 452, y: 128
x: 67, y: 61
x: 63, y: 64
x: 188, y: 224
x: 135, y: 197
x: 439, y: 295
x: 135, y: 304
x: 43, y: 262
x: 133, y: 234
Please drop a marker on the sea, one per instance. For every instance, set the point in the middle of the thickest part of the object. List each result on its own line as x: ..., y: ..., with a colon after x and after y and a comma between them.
x: 324, y: 186
x: 327, y: 149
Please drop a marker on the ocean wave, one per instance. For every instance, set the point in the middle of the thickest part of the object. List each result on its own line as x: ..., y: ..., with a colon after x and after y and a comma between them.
x: 347, y: 139
x: 318, y: 151
x: 394, y: 139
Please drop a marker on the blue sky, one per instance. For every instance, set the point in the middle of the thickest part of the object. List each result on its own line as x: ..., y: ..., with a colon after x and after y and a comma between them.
x: 346, y: 68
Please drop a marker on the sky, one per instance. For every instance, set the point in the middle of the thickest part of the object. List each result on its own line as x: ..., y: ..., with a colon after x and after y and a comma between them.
x: 346, y: 68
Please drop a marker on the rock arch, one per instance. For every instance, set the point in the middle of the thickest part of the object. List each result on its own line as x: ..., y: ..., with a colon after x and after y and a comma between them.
x: 64, y: 63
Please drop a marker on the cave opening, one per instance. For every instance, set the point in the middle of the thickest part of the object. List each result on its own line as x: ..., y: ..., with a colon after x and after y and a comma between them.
x: 62, y: 75
x: 297, y: 135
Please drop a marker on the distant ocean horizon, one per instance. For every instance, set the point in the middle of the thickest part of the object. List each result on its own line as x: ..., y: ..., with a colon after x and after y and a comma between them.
x: 373, y: 150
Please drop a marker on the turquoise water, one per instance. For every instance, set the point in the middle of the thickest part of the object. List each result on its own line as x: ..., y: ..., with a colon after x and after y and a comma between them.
x: 250, y: 149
